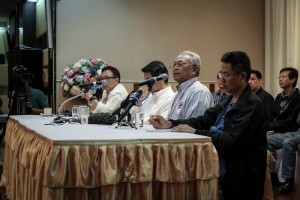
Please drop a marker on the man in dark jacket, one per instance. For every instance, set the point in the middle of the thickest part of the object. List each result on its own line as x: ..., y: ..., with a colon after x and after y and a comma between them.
x: 284, y: 125
x: 267, y: 98
x: 237, y: 127
x: 287, y: 103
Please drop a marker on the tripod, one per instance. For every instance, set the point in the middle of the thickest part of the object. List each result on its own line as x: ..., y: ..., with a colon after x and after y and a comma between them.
x: 126, y: 121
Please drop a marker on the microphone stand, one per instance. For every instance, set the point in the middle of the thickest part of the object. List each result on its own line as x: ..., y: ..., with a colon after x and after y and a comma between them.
x: 59, y: 118
x: 127, y: 122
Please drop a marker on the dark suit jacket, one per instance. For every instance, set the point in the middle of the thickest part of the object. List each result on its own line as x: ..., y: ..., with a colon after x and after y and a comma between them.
x: 242, y: 143
x: 286, y: 121
x: 268, y: 100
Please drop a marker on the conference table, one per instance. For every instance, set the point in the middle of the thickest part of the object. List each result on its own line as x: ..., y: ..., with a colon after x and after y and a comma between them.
x: 89, y: 161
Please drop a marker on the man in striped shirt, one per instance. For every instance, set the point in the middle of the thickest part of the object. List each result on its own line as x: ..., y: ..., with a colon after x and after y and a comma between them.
x: 192, y: 97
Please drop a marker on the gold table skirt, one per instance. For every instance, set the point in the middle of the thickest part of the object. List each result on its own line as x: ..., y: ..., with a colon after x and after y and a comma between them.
x: 36, y: 168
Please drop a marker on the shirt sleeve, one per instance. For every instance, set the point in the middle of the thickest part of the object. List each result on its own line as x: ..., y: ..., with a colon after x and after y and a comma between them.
x: 112, y: 103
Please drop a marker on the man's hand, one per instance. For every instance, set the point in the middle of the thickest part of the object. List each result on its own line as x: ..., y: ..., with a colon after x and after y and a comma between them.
x: 159, y: 122
x: 184, y: 128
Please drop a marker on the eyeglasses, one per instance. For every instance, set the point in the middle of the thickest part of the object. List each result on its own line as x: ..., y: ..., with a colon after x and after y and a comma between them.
x: 225, y: 75
x: 107, y: 78
x: 179, y: 65
x: 282, y: 77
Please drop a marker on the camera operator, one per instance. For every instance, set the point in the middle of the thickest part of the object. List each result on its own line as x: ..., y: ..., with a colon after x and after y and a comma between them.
x: 35, y: 100
x: 26, y: 100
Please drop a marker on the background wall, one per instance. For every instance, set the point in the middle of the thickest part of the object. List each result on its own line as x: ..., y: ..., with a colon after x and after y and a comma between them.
x: 130, y: 34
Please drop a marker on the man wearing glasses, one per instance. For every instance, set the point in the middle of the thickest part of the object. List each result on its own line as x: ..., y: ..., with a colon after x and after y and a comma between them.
x: 237, y: 127
x: 284, y: 125
x: 114, y: 92
x: 192, y: 98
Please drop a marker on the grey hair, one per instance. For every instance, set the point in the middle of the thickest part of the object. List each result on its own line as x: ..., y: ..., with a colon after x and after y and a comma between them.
x: 195, y: 60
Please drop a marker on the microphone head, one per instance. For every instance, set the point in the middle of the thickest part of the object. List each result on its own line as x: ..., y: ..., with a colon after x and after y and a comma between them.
x: 164, y: 76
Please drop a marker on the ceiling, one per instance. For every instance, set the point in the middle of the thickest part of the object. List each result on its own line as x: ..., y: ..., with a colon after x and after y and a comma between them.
x: 7, y: 7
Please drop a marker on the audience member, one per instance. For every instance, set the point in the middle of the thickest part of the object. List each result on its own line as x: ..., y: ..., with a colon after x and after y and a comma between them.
x: 192, y: 98
x: 287, y: 103
x: 220, y: 94
x: 237, y: 127
x: 114, y: 92
x: 160, y: 96
x: 267, y: 98
x: 288, y: 142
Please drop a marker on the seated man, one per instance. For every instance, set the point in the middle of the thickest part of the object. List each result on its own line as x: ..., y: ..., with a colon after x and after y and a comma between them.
x: 114, y: 92
x: 36, y: 100
x: 160, y: 96
x: 287, y: 103
x: 267, y: 98
x: 192, y: 98
x: 288, y: 142
x: 237, y: 127
x: 220, y: 94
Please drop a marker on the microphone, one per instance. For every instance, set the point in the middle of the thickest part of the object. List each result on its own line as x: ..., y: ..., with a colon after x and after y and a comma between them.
x: 151, y: 81
x: 122, y: 106
x: 132, y: 101
x: 97, y: 83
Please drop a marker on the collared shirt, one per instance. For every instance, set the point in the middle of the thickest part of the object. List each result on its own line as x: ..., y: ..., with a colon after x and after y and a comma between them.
x: 218, y: 96
x: 218, y: 127
x: 114, y: 99
x: 191, y: 100
x: 157, y: 103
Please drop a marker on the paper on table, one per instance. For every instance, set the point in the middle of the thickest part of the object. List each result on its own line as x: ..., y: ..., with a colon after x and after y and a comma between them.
x: 158, y: 130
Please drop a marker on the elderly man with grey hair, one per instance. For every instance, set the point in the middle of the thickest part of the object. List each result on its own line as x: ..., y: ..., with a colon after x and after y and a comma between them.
x: 192, y: 97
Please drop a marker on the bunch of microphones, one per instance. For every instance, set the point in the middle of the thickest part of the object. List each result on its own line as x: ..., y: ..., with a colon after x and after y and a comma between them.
x: 94, y: 86
x: 133, y: 99
x: 120, y: 113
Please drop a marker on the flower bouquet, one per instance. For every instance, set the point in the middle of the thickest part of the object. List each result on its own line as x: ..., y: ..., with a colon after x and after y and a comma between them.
x: 82, y: 72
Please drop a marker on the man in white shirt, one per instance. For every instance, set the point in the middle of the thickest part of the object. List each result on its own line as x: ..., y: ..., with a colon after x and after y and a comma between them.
x: 114, y: 92
x: 192, y: 97
x: 161, y: 93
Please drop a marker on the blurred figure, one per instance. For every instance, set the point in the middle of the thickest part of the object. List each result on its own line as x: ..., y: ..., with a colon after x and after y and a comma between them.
x: 267, y: 98
x: 35, y: 100
x: 220, y: 94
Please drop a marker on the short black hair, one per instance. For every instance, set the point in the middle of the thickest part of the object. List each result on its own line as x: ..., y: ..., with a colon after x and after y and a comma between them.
x: 114, y: 71
x: 257, y: 73
x: 293, y: 73
x: 239, y: 61
x: 156, y: 68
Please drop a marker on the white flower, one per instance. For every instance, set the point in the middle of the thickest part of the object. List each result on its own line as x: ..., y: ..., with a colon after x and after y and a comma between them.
x: 99, y: 71
x: 66, y: 87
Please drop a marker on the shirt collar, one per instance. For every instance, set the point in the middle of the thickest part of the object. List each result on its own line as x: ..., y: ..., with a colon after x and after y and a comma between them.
x: 161, y: 92
x: 185, y: 85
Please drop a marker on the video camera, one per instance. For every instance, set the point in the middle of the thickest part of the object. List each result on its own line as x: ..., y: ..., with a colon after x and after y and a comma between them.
x: 21, y: 75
